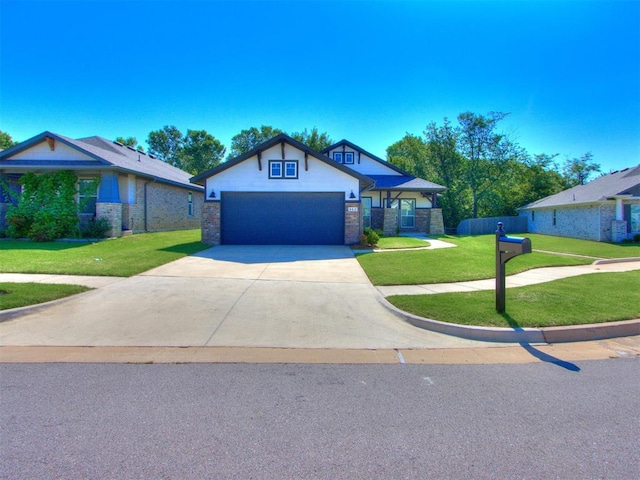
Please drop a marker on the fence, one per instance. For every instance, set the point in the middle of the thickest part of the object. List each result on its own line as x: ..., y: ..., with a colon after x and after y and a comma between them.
x: 482, y: 226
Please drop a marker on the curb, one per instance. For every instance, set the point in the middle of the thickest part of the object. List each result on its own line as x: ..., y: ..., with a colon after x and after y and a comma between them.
x: 605, y: 261
x: 574, y: 333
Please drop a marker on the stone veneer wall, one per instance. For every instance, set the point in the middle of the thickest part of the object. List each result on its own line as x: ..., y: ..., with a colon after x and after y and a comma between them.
x: 211, y: 234
x: 352, y: 223
x: 167, y: 207
x: 390, y: 222
x: 377, y: 218
x: 436, y: 222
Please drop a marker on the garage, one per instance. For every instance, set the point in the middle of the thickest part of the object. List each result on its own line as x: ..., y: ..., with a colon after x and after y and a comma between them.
x: 282, y: 218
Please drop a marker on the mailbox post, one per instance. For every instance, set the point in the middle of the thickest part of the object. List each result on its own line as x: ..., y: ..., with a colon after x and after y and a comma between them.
x: 506, y: 249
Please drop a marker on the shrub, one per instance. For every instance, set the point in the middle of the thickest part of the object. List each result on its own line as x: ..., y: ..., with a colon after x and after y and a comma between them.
x: 636, y: 238
x: 372, y: 236
x: 95, y: 228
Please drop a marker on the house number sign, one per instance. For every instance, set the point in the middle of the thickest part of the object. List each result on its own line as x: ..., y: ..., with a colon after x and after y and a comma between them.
x: 352, y: 209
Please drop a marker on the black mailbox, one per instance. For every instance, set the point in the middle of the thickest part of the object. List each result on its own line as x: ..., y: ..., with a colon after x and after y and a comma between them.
x: 506, y: 248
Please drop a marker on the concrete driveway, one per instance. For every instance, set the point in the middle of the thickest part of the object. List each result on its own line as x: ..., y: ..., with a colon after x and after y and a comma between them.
x: 245, y: 296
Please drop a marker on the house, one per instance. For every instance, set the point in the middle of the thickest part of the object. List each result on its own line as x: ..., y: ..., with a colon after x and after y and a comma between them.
x: 605, y: 209
x: 283, y: 192
x: 134, y: 191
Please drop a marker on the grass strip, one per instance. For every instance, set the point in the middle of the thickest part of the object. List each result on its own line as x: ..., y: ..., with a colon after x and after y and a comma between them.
x: 15, y: 295
x: 593, y: 298
x: 120, y: 257
x: 401, y: 242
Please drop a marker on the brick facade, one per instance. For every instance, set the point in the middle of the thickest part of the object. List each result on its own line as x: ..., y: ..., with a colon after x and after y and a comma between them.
x: 113, y: 213
x: 352, y: 223
x: 436, y: 222
x: 211, y: 226
x: 167, y: 208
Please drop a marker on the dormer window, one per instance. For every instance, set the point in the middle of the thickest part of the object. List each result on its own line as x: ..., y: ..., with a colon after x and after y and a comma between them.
x: 348, y: 157
x: 287, y: 169
x: 344, y: 157
x: 337, y: 156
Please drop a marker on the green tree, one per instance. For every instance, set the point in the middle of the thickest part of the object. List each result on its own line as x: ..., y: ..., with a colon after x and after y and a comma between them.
x: 487, y: 152
x: 166, y: 144
x: 6, y: 141
x: 411, y: 153
x: 250, y: 138
x: 313, y: 139
x: 200, y: 152
x: 576, y: 171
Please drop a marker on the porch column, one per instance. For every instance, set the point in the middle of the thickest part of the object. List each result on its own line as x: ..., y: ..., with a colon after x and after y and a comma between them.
x: 390, y: 222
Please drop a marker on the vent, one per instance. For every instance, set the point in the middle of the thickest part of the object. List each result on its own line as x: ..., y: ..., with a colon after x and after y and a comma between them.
x: 151, y: 155
x: 118, y: 143
x: 131, y: 148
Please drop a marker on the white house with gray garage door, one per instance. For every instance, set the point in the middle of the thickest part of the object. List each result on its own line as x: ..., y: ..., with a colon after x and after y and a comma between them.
x: 284, y: 193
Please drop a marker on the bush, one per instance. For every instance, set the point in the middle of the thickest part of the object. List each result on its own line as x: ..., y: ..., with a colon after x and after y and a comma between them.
x: 96, y: 228
x: 371, y: 235
x: 636, y: 238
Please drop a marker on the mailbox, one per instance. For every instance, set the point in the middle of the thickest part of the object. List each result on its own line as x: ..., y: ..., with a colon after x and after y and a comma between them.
x: 506, y: 248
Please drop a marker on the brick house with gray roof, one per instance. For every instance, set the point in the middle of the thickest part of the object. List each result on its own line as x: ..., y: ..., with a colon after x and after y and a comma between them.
x: 606, y: 209
x: 135, y: 191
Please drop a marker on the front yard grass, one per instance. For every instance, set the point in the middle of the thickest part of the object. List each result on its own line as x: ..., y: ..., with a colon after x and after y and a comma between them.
x: 401, y: 242
x: 587, y: 299
x: 120, y: 257
x: 15, y: 295
x: 472, y: 259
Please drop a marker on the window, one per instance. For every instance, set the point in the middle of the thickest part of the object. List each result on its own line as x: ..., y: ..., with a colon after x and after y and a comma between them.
x: 290, y: 169
x: 554, y: 217
x: 348, y: 157
x: 407, y: 213
x: 190, y: 204
x: 337, y: 156
x: 283, y: 169
x: 87, y: 196
x: 533, y: 216
x: 634, y: 218
x: 366, y: 211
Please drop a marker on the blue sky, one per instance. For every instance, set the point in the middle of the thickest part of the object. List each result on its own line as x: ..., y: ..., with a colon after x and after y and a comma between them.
x: 568, y: 72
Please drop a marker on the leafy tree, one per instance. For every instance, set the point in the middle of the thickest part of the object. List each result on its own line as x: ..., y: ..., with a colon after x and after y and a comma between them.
x: 166, y: 144
x: 577, y: 171
x: 250, y: 138
x: 411, y: 154
x: 314, y: 140
x: 486, y: 151
x: 6, y: 141
x: 200, y: 152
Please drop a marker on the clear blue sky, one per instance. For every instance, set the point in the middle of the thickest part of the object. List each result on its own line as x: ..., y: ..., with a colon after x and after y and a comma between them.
x: 369, y: 71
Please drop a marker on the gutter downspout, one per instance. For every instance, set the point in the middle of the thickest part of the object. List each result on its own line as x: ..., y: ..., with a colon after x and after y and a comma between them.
x: 146, y: 205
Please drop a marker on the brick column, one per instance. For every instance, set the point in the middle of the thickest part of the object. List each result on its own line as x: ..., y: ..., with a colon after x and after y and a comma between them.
x: 211, y: 227
x: 423, y: 220
x: 113, y: 213
x: 390, y: 222
x: 352, y: 223
x: 436, y: 224
x: 3, y: 216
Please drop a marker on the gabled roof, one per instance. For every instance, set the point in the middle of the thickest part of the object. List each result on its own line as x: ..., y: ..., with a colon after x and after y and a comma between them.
x: 347, y: 143
x: 621, y: 183
x: 107, y: 154
x: 365, y: 182
x: 405, y: 181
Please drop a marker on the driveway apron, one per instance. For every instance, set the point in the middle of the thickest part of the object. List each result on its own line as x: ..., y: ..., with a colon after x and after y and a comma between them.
x: 245, y: 296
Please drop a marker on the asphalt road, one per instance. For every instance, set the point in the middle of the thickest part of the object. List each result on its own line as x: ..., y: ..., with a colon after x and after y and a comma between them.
x: 321, y: 421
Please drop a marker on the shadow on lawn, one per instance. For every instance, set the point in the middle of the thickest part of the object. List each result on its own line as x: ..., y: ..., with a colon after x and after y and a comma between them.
x: 544, y: 357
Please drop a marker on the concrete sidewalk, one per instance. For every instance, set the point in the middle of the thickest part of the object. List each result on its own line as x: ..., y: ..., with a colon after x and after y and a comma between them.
x: 530, y: 277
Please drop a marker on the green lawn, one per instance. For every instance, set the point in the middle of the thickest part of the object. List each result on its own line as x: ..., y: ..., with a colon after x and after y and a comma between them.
x: 401, y: 242
x: 120, y: 257
x: 472, y: 259
x: 593, y: 298
x: 15, y: 295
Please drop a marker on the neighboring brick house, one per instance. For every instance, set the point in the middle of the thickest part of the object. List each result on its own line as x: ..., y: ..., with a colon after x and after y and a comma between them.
x: 606, y: 209
x: 283, y: 192
x: 135, y: 191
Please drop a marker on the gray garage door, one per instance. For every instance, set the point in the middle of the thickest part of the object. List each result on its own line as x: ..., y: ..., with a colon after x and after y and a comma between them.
x: 282, y: 218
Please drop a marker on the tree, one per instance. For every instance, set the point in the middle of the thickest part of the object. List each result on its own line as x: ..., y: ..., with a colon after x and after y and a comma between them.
x: 200, y: 152
x: 248, y: 139
x: 6, y: 141
x: 411, y: 154
x: 166, y: 144
x: 487, y: 153
x: 576, y: 171
x: 314, y: 140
